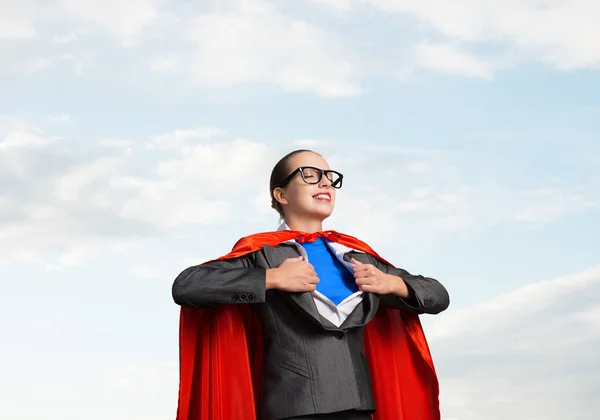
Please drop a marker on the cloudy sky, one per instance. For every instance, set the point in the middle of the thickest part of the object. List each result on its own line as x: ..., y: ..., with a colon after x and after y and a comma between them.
x: 136, y: 139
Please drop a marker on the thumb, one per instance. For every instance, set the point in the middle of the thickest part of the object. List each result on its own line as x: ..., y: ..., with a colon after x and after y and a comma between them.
x: 354, y: 261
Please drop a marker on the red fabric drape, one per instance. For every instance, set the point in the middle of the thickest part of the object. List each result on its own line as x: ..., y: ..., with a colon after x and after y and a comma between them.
x: 221, y: 353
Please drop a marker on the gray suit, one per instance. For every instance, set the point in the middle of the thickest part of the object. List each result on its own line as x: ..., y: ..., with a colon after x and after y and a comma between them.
x: 310, y: 365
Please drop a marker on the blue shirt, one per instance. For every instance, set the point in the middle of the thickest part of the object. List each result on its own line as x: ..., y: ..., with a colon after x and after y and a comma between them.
x: 336, y: 282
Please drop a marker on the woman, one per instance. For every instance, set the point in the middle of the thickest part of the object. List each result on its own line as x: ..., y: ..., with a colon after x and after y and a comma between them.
x: 305, y: 324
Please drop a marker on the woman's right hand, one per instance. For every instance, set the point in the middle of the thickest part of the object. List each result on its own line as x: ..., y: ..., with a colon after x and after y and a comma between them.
x: 293, y: 275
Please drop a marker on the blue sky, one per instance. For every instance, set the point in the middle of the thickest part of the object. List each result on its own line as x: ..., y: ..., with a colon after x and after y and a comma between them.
x: 137, y: 139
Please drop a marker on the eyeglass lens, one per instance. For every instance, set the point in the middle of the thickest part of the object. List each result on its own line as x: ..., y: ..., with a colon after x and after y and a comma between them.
x: 313, y: 176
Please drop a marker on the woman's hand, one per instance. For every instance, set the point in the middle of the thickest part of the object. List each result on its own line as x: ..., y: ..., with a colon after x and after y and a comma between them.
x: 293, y: 275
x: 370, y: 279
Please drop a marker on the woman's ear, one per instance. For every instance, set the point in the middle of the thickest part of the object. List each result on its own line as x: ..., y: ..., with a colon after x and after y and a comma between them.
x: 279, y: 195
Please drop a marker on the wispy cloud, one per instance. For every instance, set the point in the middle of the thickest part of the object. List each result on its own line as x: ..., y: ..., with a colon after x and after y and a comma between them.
x: 193, y: 177
x: 58, y: 118
x: 556, y: 33
x: 449, y: 58
x: 24, y: 19
x: 266, y: 47
x: 85, y: 204
x: 549, y: 204
x: 527, y: 354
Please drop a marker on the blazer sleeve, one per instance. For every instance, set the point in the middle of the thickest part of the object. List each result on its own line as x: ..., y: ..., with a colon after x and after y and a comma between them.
x: 427, y: 295
x: 237, y: 280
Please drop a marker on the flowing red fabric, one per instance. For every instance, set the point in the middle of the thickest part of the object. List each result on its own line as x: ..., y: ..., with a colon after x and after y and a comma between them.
x: 221, y: 353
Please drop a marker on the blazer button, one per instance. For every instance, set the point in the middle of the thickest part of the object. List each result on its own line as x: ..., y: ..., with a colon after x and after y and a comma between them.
x: 243, y: 297
x: 250, y: 298
x: 236, y: 297
x: 339, y: 335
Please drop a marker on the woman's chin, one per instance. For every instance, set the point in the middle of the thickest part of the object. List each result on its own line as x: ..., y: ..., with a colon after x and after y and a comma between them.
x: 319, y: 212
x: 323, y: 213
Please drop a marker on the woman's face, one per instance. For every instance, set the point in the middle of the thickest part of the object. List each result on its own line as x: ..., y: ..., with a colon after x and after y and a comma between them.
x: 307, y: 201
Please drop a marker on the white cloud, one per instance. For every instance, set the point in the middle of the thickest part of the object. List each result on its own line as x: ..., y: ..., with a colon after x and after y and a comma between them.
x: 394, y: 189
x: 180, y: 138
x: 77, y: 256
x: 24, y: 62
x: 528, y: 354
x: 253, y: 43
x: 420, y: 166
x: 123, y: 20
x: 224, y: 44
x: 89, y: 390
x: 220, y: 167
x: 123, y: 144
x: 65, y: 39
x: 57, y: 202
x: 168, y: 204
x: 449, y: 58
x: 163, y: 268
x: 336, y: 5
x: 58, y: 118
x: 13, y: 29
x: 76, y: 206
x: 559, y: 33
x: 549, y: 204
x: 71, y: 184
x: 18, y: 139
x: 122, y: 191
x: 28, y: 18
x: 55, y: 35
x: 15, y: 22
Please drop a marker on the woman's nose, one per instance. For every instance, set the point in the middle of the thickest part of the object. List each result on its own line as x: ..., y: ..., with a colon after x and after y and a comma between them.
x: 325, y: 182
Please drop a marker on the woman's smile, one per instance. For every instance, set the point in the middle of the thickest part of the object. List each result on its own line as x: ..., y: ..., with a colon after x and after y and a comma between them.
x: 323, y: 196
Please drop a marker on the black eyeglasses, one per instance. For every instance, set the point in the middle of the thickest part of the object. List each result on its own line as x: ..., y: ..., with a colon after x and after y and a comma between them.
x: 312, y: 175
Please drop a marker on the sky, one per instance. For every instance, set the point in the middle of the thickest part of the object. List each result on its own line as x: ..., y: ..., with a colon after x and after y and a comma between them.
x: 137, y: 138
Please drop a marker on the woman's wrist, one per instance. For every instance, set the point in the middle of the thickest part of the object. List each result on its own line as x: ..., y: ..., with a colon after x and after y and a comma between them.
x: 271, y: 281
x: 400, y: 287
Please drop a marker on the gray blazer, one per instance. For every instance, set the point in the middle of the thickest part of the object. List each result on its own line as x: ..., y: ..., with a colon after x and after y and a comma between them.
x: 310, y: 366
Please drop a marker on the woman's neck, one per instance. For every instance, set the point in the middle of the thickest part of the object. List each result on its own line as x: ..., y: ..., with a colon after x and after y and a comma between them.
x: 308, y: 226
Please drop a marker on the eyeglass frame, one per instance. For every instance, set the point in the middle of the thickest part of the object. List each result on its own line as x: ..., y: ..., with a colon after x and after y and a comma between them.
x: 322, y: 172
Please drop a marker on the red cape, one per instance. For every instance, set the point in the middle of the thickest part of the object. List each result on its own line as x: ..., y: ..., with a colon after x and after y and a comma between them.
x: 221, y: 354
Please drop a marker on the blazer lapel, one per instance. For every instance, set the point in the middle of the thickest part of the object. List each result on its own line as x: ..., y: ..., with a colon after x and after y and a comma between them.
x: 275, y: 256
x: 363, y: 313
x: 367, y: 309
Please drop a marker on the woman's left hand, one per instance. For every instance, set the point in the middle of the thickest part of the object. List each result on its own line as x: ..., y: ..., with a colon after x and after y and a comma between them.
x: 370, y: 279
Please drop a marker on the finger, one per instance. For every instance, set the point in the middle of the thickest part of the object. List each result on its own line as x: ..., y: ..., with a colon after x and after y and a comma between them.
x: 313, y: 279
x: 362, y: 281
x: 366, y: 268
x: 309, y: 271
x: 311, y: 287
x: 363, y: 272
x: 368, y: 288
x: 361, y: 275
x: 361, y: 269
x: 308, y: 287
x: 355, y: 261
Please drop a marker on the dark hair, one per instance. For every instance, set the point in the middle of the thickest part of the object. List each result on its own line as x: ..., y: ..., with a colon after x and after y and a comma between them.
x: 280, y: 171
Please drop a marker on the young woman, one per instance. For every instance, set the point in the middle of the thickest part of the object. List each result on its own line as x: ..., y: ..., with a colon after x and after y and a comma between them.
x: 304, y: 323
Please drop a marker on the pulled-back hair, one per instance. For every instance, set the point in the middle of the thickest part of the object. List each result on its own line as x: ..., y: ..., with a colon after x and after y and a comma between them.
x: 280, y: 171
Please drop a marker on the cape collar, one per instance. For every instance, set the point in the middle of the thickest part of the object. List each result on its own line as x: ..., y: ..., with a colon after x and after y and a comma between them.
x: 337, y: 248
